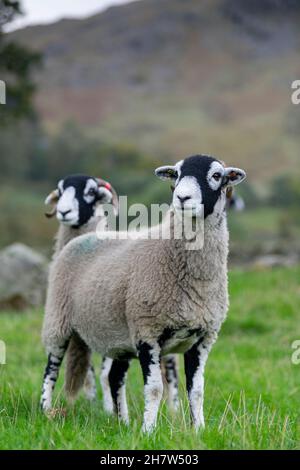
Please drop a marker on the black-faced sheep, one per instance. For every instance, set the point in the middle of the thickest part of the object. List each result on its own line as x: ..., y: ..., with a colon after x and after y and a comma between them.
x: 77, y: 204
x: 164, y: 297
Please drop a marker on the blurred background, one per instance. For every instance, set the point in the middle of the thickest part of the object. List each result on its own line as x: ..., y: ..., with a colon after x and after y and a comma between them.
x: 116, y: 88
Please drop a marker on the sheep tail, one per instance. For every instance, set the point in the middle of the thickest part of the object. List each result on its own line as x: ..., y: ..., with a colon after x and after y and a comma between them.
x: 77, y: 364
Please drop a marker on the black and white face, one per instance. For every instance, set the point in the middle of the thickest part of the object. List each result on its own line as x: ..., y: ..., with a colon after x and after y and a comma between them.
x: 77, y: 197
x: 200, y: 184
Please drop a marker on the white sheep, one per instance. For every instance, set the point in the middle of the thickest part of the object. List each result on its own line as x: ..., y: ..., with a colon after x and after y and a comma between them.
x: 77, y: 204
x: 162, y: 298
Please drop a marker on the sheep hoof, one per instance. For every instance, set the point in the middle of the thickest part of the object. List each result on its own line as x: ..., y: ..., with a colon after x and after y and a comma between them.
x: 199, y: 427
x: 56, y: 413
x: 108, y: 407
x: 148, y: 428
x: 90, y: 395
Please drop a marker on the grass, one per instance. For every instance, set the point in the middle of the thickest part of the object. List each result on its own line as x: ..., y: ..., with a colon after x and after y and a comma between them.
x: 252, y: 388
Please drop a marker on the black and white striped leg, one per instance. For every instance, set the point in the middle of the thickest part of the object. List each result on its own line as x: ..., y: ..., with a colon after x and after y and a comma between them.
x: 51, y: 374
x: 90, y: 384
x: 104, y: 380
x: 149, y: 357
x: 117, y: 377
x: 194, y: 364
x: 170, y: 368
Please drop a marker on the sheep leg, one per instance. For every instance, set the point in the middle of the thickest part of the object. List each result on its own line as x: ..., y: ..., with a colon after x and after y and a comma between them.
x: 104, y: 380
x: 55, y: 359
x: 117, y: 376
x: 171, y: 376
x: 90, y: 384
x: 194, y: 364
x: 149, y: 357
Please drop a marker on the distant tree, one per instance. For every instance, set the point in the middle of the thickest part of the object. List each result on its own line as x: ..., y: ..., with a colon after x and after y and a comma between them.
x: 16, y: 66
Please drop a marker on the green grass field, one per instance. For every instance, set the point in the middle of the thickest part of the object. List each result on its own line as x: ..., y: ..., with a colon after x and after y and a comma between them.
x: 252, y: 388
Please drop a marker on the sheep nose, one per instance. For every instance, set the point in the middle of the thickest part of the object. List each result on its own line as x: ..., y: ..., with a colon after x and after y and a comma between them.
x: 182, y: 199
x: 64, y: 213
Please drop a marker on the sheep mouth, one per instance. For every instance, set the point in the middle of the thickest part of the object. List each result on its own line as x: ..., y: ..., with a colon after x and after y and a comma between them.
x: 68, y: 220
x: 190, y: 211
x: 70, y: 223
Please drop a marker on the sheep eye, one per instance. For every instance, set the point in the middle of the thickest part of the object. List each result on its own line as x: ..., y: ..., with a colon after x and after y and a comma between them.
x: 217, y: 176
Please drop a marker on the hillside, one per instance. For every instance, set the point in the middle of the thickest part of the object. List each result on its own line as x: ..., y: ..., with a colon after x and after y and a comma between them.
x: 176, y: 77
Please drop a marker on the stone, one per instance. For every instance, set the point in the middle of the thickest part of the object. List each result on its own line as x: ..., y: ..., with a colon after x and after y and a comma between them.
x: 23, y: 278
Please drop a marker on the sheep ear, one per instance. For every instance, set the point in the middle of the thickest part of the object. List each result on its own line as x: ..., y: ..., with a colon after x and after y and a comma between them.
x: 167, y: 173
x: 233, y: 176
x: 113, y: 199
x: 104, y: 195
x: 53, y: 197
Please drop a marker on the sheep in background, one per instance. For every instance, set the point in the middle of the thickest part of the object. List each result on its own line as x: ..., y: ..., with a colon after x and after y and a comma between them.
x: 234, y: 201
x: 77, y: 204
x: 163, y: 298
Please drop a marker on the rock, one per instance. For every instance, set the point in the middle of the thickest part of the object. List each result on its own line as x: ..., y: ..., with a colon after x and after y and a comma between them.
x: 23, y: 277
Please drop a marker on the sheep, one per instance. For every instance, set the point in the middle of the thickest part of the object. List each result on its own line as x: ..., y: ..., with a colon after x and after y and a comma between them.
x: 234, y: 201
x: 76, y: 211
x: 75, y: 203
x: 77, y: 206
x: 163, y: 297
